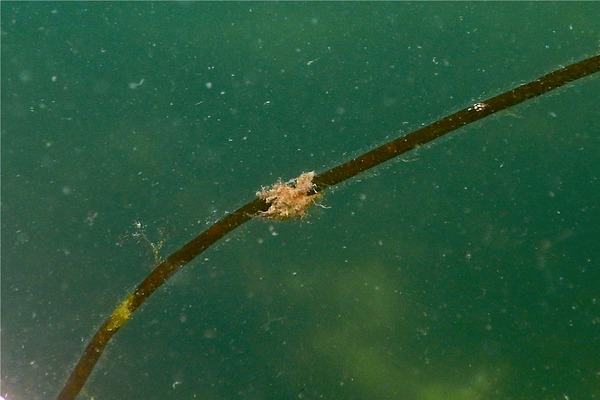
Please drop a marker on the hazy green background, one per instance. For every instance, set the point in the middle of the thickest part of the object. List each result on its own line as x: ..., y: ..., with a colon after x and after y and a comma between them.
x: 467, y: 270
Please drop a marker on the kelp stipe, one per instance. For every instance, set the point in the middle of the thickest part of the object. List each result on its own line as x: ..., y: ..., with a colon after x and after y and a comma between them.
x: 307, y: 188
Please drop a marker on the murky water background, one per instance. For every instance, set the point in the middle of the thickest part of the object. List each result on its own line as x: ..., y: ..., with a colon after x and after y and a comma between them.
x: 469, y: 269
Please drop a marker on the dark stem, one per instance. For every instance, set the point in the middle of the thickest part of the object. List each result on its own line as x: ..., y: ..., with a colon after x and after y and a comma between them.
x: 338, y: 174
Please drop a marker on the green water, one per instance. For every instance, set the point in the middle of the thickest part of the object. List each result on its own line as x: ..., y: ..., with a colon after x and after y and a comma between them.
x: 469, y: 269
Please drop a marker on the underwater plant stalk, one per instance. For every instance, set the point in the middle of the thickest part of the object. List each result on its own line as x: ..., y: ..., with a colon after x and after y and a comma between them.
x: 315, y: 184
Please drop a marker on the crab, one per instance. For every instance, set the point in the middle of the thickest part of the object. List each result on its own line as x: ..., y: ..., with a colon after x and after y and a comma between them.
x: 289, y: 200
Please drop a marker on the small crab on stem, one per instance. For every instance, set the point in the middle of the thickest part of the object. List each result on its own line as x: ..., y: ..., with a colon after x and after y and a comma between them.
x: 289, y: 200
